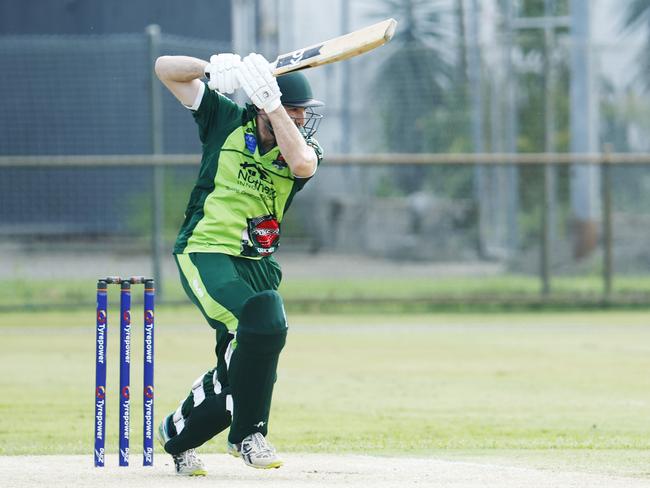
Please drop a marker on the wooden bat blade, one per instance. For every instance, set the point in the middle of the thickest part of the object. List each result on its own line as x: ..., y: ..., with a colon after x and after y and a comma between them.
x: 337, y: 49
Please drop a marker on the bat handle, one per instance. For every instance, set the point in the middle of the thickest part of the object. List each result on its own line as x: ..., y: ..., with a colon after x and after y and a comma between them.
x: 273, y: 65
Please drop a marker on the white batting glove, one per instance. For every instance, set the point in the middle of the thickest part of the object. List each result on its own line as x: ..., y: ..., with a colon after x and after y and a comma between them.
x: 221, y: 72
x: 254, y: 74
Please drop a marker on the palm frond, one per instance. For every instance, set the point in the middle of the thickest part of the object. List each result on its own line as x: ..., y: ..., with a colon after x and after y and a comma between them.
x: 416, y: 76
x: 636, y: 14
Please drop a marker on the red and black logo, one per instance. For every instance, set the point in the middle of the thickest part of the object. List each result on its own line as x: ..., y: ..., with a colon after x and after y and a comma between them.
x: 264, y: 233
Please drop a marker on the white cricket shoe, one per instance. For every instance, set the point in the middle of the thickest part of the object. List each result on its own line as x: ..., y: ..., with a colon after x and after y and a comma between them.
x: 187, y: 463
x: 256, y: 451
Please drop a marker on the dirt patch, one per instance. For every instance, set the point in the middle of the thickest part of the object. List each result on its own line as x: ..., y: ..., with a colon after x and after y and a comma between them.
x: 300, y: 470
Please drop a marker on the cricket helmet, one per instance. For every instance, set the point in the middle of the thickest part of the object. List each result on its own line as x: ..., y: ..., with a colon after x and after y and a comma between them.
x: 296, y: 91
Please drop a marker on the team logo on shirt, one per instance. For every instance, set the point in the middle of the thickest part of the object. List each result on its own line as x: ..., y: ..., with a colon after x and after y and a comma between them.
x: 254, y: 171
x: 253, y: 176
x: 251, y: 142
x: 280, y: 163
x: 261, y: 237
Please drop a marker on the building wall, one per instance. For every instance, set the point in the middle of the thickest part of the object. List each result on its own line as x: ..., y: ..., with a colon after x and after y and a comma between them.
x: 79, y: 82
x: 208, y: 19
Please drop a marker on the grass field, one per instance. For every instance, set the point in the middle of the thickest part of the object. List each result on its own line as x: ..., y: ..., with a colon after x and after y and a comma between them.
x: 359, y: 294
x: 549, y: 389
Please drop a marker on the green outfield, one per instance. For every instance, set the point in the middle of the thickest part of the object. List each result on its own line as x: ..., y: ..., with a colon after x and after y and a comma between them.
x: 353, y: 295
x: 551, y: 389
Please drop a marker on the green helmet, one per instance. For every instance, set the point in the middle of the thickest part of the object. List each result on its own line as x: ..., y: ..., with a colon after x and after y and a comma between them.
x: 296, y: 91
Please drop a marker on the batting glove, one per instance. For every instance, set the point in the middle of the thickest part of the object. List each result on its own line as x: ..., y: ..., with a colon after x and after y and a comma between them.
x: 256, y: 79
x: 221, y: 72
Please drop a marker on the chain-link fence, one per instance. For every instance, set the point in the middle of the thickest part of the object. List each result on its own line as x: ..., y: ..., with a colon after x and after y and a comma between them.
x: 429, y: 232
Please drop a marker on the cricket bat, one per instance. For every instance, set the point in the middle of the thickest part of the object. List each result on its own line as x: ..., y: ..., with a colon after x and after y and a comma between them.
x: 337, y: 49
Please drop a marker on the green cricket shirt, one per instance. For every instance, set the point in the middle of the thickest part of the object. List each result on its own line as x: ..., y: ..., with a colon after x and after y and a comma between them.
x: 240, y: 197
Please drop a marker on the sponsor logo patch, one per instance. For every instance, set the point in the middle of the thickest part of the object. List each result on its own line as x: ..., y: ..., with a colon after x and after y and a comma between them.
x: 251, y: 142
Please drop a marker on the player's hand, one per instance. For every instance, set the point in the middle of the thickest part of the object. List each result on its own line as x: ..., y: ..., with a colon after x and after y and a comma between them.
x: 256, y: 79
x: 221, y: 72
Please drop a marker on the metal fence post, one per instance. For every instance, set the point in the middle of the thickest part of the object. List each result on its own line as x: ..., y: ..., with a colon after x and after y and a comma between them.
x: 607, y: 222
x: 548, y: 207
x: 475, y: 83
x: 545, y: 241
x: 158, y: 176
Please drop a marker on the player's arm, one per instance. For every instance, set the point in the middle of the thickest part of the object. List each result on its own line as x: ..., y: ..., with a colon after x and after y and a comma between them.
x: 300, y: 157
x: 182, y: 76
x: 254, y: 75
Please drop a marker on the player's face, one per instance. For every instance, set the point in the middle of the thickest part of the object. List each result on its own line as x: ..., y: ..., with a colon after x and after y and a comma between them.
x: 297, y: 114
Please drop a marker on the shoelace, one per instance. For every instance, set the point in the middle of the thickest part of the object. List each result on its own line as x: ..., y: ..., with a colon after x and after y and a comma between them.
x: 188, y: 458
x: 262, y: 446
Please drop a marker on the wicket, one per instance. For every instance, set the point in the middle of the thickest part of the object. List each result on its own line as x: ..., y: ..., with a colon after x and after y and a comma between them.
x: 125, y: 368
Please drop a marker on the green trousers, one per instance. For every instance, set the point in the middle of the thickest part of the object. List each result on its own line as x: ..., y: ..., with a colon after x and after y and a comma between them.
x: 238, y: 389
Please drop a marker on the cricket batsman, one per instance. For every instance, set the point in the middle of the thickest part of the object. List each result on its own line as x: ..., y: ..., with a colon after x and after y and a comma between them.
x: 255, y: 159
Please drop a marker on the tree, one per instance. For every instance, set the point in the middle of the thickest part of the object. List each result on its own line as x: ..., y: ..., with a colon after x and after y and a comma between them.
x: 415, y: 80
x: 637, y: 16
